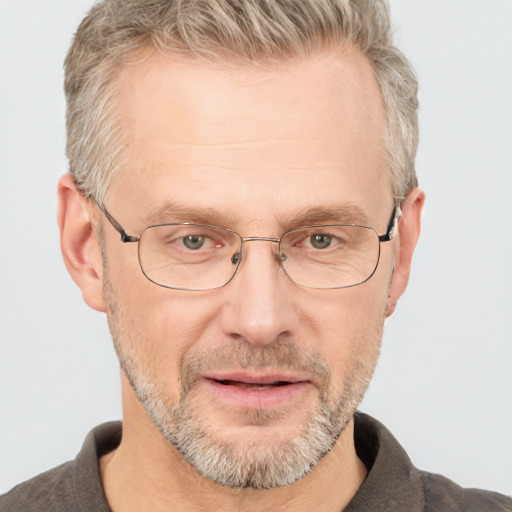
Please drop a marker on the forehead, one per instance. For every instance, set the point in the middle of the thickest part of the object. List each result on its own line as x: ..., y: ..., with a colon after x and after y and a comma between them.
x: 308, y: 129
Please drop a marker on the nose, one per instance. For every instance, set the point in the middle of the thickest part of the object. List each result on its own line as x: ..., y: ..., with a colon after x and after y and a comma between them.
x: 259, y: 304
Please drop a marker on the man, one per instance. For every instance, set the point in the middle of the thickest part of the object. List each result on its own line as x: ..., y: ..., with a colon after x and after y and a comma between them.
x: 244, y: 208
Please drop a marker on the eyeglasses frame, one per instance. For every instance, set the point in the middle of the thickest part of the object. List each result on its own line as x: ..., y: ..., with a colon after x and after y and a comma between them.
x: 126, y: 238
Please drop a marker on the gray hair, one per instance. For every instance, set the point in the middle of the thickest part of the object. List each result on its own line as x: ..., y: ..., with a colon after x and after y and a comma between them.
x: 251, y: 31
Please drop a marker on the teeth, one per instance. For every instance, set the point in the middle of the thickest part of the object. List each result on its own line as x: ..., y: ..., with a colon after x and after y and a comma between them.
x: 255, y: 387
x: 252, y: 386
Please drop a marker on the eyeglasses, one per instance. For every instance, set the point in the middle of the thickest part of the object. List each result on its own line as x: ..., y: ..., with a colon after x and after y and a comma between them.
x: 196, y: 257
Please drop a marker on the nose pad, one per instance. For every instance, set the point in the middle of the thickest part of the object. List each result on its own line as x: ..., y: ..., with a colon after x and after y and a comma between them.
x: 237, y: 257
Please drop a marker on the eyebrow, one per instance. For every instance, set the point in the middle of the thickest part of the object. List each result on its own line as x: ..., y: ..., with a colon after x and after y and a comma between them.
x: 172, y: 211
x: 328, y: 214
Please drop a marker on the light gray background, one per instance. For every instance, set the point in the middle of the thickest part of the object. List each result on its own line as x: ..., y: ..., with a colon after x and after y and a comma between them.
x: 444, y: 382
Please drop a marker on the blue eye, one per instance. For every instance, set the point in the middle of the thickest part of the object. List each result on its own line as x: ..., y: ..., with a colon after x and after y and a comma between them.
x: 320, y: 240
x: 193, y: 242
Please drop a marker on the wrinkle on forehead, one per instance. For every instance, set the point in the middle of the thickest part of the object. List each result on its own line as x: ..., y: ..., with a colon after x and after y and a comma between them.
x: 206, y: 93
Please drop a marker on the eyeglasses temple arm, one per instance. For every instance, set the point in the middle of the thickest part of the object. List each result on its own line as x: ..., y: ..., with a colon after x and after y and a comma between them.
x: 392, y: 226
x: 125, y: 237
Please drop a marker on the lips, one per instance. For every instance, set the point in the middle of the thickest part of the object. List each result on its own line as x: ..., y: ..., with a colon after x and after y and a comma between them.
x: 253, y: 386
x: 250, y: 380
x: 257, y: 391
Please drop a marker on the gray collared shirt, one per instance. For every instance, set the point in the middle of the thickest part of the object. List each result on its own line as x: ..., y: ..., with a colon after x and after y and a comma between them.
x: 393, y: 483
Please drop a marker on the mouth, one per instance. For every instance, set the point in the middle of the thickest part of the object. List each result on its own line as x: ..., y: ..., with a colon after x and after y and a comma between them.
x: 253, y: 386
x: 257, y: 391
x: 246, y: 380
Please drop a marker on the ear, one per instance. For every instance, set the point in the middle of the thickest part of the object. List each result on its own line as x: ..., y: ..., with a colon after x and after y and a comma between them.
x: 79, y: 242
x: 408, y: 233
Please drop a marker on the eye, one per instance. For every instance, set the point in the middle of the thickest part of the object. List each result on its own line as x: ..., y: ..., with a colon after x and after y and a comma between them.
x: 320, y: 240
x: 193, y: 242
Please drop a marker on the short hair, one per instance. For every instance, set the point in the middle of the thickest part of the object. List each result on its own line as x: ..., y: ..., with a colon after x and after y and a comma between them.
x: 250, y: 31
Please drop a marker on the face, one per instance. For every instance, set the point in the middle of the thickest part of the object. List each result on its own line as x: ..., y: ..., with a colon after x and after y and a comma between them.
x: 252, y: 383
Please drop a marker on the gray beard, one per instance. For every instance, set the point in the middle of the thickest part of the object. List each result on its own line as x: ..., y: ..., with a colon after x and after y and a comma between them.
x: 227, y: 464
x: 249, y: 464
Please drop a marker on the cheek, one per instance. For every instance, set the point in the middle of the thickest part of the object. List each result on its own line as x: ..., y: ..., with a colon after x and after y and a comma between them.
x: 349, y: 313
x: 158, y: 325
x: 347, y: 326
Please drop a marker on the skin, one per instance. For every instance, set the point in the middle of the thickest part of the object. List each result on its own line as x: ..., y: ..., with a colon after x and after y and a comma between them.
x: 259, y: 146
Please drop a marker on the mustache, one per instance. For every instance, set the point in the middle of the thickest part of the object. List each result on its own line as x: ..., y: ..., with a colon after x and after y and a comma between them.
x: 279, y: 355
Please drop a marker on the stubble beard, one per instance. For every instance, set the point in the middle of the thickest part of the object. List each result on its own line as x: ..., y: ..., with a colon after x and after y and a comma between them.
x: 240, y: 463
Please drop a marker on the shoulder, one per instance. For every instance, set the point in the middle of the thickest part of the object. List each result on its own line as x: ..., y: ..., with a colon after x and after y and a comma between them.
x: 440, y: 493
x: 73, y: 486
x: 42, y: 492
x: 394, y: 484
